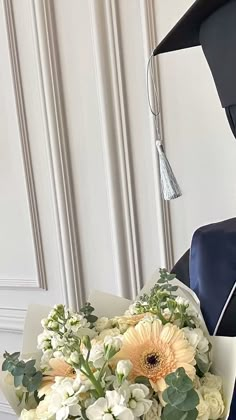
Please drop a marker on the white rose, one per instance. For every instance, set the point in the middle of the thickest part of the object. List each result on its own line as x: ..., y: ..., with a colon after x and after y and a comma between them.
x: 155, y: 411
x: 102, y: 324
x: 196, y: 339
x: 212, y: 381
x: 28, y: 415
x: 124, y: 367
x: 203, y: 408
x: 214, y: 399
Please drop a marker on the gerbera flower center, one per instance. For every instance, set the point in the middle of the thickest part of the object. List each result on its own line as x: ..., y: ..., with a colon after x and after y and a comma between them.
x: 152, y: 360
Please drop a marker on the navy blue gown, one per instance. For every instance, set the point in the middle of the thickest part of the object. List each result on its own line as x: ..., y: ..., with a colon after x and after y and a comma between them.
x: 210, y: 270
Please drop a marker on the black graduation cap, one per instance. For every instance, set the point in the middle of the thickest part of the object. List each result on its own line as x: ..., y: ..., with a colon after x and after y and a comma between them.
x: 211, y: 24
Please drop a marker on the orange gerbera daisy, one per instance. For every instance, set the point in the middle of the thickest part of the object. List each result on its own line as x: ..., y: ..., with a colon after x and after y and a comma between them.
x: 58, y: 368
x: 156, y: 350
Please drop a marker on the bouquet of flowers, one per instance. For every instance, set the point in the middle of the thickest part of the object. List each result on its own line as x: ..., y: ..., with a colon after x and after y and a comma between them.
x: 152, y: 362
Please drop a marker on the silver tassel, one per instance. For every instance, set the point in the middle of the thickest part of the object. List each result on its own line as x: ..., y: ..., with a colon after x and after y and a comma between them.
x: 170, y: 186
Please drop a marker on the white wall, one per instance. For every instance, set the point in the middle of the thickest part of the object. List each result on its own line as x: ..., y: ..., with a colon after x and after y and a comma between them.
x: 80, y: 202
x: 199, y: 142
x: 79, y: 187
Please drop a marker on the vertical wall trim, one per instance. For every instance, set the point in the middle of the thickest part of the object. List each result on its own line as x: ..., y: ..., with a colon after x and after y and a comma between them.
x: 115, y: 145
x: 147, y: 12
x: 25, y: 147
x: 59, y: 159
x: 122, y: 138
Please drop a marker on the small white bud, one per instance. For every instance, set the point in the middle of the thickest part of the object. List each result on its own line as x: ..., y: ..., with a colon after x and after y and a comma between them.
x: 124, y: 367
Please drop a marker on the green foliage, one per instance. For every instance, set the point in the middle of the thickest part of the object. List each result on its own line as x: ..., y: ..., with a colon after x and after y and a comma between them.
x: 162, y: 297
x: 87, y: 311
x: 180, y: 396
x: 24, y: 373
x: 203, y: 363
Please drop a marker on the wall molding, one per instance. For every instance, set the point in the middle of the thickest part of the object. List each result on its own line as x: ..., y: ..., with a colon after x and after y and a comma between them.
x: 40, y: 281
x: 12, y: 320
x: 148, y: 24
x: 113, y: 121
x: 6, y: 408
x: 18, y: 283
x: 45, y: 38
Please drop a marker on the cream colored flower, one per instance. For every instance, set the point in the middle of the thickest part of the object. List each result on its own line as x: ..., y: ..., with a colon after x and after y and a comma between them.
x: 28, y: 415
x: 103, y: 323
x: 215, y: 402
x: 112, y: 332
x: 155, y: 411
x: 196, y: 338
x: 203, y: 408
x: 155, y: 351
x: 212, y: 381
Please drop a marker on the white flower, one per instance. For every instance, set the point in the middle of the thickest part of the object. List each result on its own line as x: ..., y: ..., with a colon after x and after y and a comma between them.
x: 166, y: 313
x: 61, y: 402
x: 212, y: 381
x: 44, y: 340
x: 155, y: 411
x: 181, y: 301
x: 114, y: 343
x: 57, y: 341
x: 28, y: 415
x: 46, y: 357
x: 131, y: 310
x: 196, y: 338
x: 97, y: 355
x: 109, y: 407
x: 75, y: 357
x: 203, y: 408
x: 75, y: 322
x: 113, y: 332
x: 124, y: 367
x: 103, y: 323
x: 138, y: 402
x: 214, y: 399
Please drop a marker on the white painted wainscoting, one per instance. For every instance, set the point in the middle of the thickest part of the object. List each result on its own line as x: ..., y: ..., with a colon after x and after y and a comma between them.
x: 80, y: 200
x: 80, y: 203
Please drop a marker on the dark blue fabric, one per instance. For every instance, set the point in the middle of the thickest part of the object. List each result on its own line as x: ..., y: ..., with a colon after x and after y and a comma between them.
x: 213, y: 272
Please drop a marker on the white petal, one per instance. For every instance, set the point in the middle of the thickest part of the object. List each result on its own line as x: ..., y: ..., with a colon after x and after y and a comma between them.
x: 97, y: 410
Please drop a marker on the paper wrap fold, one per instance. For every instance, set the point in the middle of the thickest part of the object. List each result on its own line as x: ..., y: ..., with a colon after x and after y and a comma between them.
x: 224, y: 348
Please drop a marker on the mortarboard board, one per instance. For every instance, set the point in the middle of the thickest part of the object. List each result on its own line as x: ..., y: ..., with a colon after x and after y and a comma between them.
x: 212, y: 24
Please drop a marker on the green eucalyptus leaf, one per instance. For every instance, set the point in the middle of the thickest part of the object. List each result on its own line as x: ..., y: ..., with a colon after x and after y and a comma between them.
x: 171, y: 413
x: 203, y: 364
x: 14, y: 356
x: 173, y: 396
x: 183, y: 383
x: 6, y: 364
x: 189, y: 403
x: 18, y: 380
x: 92, y: 318
x: 171, y: 276
x: 18, y: 371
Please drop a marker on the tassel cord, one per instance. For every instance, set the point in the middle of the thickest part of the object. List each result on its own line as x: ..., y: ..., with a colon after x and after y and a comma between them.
x: 170, y: 187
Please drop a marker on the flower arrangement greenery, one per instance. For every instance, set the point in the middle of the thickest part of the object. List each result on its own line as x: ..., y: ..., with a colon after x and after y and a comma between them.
x: 151, y: 363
